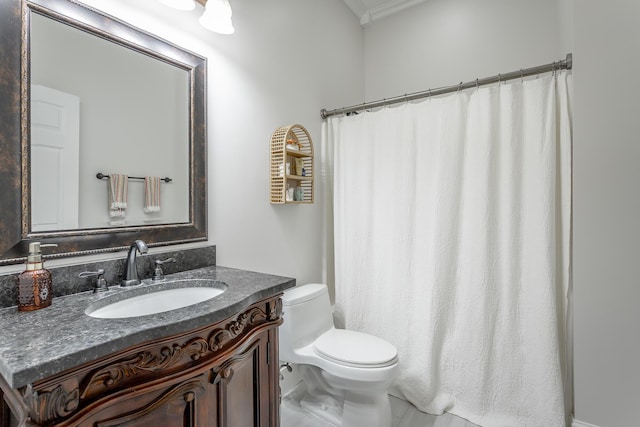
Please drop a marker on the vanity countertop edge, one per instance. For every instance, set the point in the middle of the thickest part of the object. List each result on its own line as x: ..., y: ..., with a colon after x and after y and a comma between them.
x: 38, y: 344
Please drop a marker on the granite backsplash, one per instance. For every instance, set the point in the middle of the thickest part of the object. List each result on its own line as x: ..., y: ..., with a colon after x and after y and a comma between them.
x: 66, y: 280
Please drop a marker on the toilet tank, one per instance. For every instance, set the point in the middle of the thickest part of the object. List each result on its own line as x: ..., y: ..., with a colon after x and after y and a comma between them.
x: 306, y: 311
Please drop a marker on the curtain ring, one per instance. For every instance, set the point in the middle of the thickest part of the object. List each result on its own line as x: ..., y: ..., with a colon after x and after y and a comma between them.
x: 429, y: 94
x: 499, y: 79
x: 521, y: 76
x: 477, y: 84
x: 460, y: 87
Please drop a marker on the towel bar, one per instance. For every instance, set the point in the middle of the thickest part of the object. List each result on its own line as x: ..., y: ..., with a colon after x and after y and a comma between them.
x: 100, y: 175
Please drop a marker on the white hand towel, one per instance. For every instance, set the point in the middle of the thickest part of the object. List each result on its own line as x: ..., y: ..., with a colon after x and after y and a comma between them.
x: 118, y: 193
x: 151, y: 194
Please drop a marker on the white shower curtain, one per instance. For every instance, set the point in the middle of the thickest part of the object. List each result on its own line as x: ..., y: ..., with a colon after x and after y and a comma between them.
x: 451, y: 235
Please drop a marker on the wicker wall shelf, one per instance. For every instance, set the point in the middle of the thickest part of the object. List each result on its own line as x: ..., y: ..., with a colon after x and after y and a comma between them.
x: 291, y: 150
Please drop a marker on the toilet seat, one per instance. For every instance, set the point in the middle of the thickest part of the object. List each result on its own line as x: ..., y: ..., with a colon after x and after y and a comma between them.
x: 356, y: 349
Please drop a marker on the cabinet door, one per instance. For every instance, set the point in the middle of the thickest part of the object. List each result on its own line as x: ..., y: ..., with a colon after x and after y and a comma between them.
x: 244, y: 385
x: 170, y: 406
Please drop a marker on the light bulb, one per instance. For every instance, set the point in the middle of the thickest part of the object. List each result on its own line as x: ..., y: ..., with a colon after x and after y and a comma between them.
x: 217, y: 17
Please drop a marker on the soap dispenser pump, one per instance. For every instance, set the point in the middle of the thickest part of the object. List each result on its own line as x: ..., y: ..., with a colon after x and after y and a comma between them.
x: 35, y: 289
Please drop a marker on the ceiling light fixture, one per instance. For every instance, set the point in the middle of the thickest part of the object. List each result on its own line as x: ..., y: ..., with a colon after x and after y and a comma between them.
x: 216, y: 16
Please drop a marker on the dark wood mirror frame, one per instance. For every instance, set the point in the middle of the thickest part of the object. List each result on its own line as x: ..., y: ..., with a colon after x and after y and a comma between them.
x: 15, y: 215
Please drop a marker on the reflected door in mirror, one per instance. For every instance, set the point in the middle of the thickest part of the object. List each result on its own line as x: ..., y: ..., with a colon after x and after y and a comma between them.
x: 55, y: 125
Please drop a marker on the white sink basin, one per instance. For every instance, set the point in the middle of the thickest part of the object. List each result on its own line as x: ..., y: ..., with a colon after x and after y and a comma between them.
x: 157, y: 299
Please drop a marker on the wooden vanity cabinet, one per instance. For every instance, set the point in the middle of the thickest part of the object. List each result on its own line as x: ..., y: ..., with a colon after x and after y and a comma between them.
x: 225, y: 375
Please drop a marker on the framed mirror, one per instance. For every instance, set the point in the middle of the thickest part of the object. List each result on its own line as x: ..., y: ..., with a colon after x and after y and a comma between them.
x: 90, y: 106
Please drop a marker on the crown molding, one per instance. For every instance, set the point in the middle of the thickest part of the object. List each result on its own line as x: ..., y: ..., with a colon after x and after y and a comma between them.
x: 369, y: 11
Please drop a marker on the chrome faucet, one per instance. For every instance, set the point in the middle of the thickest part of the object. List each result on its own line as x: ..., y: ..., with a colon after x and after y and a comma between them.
x: 130, y: 269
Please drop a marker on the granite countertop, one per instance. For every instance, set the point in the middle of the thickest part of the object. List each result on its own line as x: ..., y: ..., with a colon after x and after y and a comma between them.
x: 41, y: 343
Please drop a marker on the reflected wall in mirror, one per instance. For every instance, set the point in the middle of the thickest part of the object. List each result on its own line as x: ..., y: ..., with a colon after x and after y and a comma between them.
x: 97, y: 106
x: 84, y: 93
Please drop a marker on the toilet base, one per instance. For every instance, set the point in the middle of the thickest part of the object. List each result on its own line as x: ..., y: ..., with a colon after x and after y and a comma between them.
x: 326, y: 398
x: 371, y: 410
x: 324, y: 407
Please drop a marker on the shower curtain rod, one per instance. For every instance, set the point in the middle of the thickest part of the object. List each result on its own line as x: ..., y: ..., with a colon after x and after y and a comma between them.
x: 565, y: 64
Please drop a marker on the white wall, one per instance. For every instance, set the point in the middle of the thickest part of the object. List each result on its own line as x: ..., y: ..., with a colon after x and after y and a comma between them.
x: 606, y: 212
x: 288, y: 59
x: 443, y: 42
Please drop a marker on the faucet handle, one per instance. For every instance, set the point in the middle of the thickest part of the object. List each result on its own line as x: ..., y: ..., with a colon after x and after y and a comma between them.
x: 158, y: 274
x: 101, y: 283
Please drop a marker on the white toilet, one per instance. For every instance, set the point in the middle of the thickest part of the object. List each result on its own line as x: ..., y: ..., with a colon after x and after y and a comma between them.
x: 346, y: 373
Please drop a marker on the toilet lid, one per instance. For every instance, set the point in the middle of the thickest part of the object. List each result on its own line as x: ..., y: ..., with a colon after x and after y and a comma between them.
x: 355, y: 348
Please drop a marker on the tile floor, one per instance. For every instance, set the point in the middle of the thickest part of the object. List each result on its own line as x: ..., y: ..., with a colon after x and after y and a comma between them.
x: 403, y: 415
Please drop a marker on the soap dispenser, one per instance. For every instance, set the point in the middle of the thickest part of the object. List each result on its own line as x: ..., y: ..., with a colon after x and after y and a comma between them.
x: 35, y: 289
